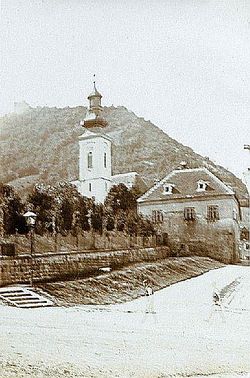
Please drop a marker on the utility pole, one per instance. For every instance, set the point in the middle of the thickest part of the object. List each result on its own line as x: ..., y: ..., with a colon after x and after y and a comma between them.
x: 247, y: 173
x: 247, y: 182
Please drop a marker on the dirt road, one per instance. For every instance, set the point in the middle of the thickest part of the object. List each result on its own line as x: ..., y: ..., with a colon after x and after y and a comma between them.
x: 123, y: 340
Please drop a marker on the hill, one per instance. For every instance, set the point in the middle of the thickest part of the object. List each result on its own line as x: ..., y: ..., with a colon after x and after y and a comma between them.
x: 41, y: 144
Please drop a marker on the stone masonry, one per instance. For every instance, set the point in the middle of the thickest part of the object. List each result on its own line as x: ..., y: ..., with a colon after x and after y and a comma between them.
x: 60, y: 266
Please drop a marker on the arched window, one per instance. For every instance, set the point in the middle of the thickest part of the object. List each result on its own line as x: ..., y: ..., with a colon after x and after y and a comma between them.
x: 90, y: 160
x: 105, y: 160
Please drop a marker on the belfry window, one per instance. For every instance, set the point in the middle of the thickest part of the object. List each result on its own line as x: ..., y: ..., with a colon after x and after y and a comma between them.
x: 105, y: 160
x: 90, y: 160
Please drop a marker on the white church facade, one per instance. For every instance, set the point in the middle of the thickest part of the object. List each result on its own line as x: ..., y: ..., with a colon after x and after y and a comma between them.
x: 95, y: 155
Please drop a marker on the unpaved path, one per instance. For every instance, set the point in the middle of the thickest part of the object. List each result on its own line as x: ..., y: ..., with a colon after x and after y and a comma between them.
x: 122, y: 341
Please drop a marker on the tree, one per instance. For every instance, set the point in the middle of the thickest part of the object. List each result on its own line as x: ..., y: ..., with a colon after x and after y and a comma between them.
x: 132, y: 224
x: 67, y: 210
x: 85, y: 204
x: 121, y: 211
x: 120, y: 198
x: 42, y: 203
x: 11, y: 210
x: 110, y: 223
x: 119, y: 203
x: 71, y: 202
x: 146, y: 226
x: 57, y: 205
x: 97, y: 217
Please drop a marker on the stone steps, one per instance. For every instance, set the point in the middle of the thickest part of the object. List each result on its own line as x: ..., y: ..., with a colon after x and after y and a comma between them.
x: 24, y: 297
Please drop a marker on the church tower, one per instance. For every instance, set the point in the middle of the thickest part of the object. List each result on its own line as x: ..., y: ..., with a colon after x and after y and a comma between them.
x: 93, y: 117
x: 94, y: 165
x: 95, y: 173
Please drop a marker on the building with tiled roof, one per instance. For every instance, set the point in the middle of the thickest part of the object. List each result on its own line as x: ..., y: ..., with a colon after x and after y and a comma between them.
x: 196, y: 209
x: 187, y: 183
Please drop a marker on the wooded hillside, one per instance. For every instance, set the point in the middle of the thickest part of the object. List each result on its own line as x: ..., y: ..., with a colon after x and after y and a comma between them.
x: 42, y: 145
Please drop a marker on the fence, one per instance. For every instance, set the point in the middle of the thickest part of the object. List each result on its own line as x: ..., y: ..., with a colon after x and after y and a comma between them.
x: 84, y: 241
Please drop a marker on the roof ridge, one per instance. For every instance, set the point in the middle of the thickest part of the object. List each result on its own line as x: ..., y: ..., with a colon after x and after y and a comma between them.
x: 154, y: 187
x: 219, y: 181
x: 211, y: 175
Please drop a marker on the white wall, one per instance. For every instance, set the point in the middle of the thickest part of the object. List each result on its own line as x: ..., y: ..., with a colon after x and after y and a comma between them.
x: 99, y: 188
x: 226, y: 207
x: 99, y: 176
x: 98, y: 146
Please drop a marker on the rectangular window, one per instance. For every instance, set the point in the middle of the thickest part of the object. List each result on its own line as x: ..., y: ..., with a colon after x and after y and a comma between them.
x: 235, y: 214
x: 90, y: 160
x: 90, y: 187
x: 105, y: 160
x: 189, y: 213
x: 157, y: 216
x: 213, y: 213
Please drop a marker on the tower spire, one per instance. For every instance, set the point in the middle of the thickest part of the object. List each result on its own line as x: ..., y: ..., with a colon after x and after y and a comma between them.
x: 95, y: 94
x: 95, y: 90
x: 93, y: 117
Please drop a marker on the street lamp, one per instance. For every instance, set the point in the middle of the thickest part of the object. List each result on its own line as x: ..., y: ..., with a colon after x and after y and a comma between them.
x: 89, y: 217
x: 54, y: 233
x: 30, y: 218
x: 76, y: 219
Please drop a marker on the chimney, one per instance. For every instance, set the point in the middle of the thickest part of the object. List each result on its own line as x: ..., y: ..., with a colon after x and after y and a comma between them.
x: 183, y: 165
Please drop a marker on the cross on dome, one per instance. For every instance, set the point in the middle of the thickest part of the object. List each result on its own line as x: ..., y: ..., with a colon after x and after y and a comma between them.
x: 95, y: 92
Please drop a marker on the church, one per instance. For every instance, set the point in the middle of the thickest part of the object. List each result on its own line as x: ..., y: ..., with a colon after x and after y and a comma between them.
x: 95, y: 155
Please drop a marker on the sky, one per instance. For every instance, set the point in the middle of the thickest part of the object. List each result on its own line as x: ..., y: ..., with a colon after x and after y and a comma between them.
x: 182, y: 64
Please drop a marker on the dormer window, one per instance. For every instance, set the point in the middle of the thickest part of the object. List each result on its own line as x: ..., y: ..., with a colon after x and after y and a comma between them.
x: 168, y: 188
x: 201, y: 186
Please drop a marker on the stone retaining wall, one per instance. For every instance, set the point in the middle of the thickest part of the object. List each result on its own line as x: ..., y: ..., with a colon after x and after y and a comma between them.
x: 218, y: 240
x: 45, y: 268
